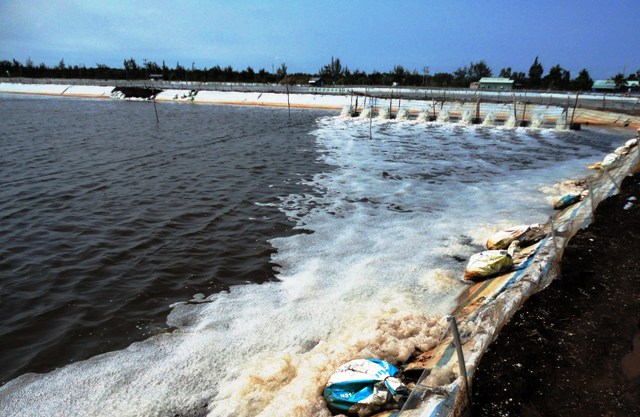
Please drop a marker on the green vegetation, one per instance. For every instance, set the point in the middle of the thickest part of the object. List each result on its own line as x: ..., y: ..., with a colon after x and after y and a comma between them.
x: 334, y: 73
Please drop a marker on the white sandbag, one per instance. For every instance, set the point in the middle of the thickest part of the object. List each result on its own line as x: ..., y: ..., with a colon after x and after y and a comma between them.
x: 488, y: 263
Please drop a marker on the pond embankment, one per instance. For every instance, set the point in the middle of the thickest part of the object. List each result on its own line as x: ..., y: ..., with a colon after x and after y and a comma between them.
x: 465, y: 106
x: 574, y: 349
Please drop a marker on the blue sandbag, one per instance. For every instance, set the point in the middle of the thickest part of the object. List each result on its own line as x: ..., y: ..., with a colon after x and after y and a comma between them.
x: 566, y: 201
x: 362, y: 386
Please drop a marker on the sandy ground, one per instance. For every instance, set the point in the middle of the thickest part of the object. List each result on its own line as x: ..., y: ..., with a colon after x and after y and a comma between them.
x: 574, y: 348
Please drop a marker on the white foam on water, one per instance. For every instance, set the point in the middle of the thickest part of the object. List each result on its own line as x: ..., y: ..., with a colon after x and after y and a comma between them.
x: 390, y: 226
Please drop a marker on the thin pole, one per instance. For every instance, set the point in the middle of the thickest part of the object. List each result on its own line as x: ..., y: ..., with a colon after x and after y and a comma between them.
x: 461, y: 364
x: 608, y: 174
x: 515, y: 109
x: 370, y: 117
x: 288, y: 103
x: 574, y: 107
x: 566, y: 113
x: 156, y: 109
x: 433, y: 101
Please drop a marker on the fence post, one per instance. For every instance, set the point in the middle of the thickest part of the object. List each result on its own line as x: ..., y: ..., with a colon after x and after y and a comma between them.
x: 608, y: 174
x: 461, y: 364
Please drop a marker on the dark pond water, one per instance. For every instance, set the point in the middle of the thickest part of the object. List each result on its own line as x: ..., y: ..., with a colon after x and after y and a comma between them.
x: 107, y: 218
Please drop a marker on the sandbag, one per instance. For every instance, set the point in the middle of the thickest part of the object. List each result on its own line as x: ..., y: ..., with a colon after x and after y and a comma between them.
x: 488, y: 263
x: 566, y: 201
x: 622, y: 150
x: 526, y: 234
x: 631, y: 143
x: 362, y: 387
x: 610, y: 161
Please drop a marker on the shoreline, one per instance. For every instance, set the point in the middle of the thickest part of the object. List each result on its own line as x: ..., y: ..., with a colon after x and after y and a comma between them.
x: 488, y: 306
x: 575, y: 341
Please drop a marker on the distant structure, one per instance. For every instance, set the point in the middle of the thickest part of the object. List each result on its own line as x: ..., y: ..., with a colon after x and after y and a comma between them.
x: 489, y: 83
x: 604, y: 86
x: 316, y: 82
x: 156, y: 77
x: 633, y: 87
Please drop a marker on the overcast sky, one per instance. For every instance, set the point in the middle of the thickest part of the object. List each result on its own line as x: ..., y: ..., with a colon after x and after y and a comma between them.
x: 602, y: 36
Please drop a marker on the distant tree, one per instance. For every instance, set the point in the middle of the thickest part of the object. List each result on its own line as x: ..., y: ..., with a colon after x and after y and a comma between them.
x: 582, y: 82
x: 152, y: 67
x: 215, y: 73
x: 130, y: 68
x: 102, y: 71
x: 519, y: 79
x: 505, y: 72
x: 461, y: 77
x: 248, y: 75
x: 165, y: 70
x: 282, y: 71
x: 442, y: 79
x: 464, y: 76
x: 375, y: 78
x: 620, y: 80
x: 228, y: 74
x: 179, y: 73
x: 478, y: 70
x: 263, y: 76
x: 358, y: 77
x: 333, y: 71
x: 399, y: 74
x: 535, y: 74
x: 557, y: 78
x: 415, y: 78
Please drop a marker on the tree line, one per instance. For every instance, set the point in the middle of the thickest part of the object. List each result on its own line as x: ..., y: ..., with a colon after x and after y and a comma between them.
x: 334, y: 73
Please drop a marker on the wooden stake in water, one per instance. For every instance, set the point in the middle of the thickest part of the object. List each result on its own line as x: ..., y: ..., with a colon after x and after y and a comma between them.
x: 370, y: 118
x: 288, y: 103
x: 433, y: 102
x: 155, y: 108
x: 574, y: 107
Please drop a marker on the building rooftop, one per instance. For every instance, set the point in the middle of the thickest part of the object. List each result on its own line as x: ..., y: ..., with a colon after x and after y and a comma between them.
x: 496, y: 80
